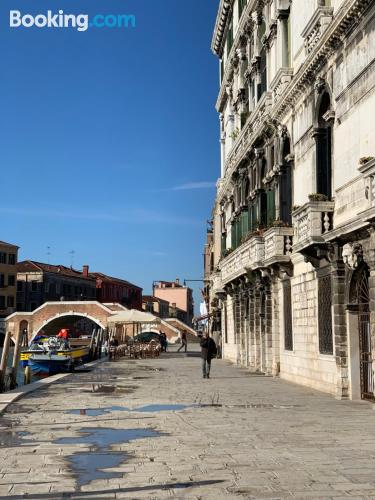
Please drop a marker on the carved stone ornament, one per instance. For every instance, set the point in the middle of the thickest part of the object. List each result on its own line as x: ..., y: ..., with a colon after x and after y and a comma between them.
x: 319, y: 85
x: 352, y: 254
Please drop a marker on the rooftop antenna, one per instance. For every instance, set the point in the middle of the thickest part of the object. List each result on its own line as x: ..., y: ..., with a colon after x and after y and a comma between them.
x: 72, y: 253
x: 48, y: 254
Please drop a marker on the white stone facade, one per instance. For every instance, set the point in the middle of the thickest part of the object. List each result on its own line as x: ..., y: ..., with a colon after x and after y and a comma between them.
x: 292, y: 273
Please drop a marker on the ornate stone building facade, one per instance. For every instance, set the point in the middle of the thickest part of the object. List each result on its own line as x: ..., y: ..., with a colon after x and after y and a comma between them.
x: 291, y: 272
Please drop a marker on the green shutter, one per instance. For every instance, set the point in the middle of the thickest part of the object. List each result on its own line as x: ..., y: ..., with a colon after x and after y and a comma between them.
x: 271, y: 212
x: 244, y: 223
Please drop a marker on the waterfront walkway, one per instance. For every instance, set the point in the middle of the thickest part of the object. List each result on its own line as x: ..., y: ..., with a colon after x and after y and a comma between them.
x: 237, y: 435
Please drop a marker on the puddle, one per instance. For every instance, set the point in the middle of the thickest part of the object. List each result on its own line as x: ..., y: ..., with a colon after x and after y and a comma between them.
x: 156, y: 408
x: 159, y: 408
x: 110, y: 389
x: 89, y: 466
x: 96, y: 412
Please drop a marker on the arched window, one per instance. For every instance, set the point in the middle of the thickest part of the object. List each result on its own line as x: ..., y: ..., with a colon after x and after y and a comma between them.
x: 323, y: 138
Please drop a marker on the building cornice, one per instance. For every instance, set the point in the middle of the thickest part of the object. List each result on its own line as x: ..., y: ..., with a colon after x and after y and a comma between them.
x: 220, y: 26
x: 267, y: 112
x: 244, y: 29
x: 344, y: 21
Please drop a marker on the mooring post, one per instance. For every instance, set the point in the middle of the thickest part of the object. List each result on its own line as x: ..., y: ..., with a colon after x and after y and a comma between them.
x: 4, y: 360
x: 16, y: 361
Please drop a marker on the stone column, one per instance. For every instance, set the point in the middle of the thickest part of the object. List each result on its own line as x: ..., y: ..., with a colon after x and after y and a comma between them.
x: 257, y: 330
x: 340, y: 334
x: 282, y: 39
x: 252, y: 364
x: 268, y: 331
x: 276, y: 317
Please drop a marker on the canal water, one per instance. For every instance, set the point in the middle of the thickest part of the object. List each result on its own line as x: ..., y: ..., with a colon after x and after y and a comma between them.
x: 20, y: 372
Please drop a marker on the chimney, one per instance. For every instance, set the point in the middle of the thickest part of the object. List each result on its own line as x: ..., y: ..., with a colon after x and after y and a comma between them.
x: 85, y: 271
x: 177, y: 282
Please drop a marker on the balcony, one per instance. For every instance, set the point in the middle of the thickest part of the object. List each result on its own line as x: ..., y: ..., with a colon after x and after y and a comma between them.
x: 256, y: 252
x: 246, y: 137
x: 278, y: 243
x: 250, y: 255
x: 368, y: 173
x: 315, y: 28
x: 311, y: 223
x: 216, y: 284
x: 278, y: 85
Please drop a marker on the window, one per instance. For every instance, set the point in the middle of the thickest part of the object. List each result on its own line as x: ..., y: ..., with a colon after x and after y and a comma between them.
x: 323, y: 139
x: 2, y: 302
x: 12, y: 259
x: 3, y: 258
x: 19, y: 286
x: 285, y: 186
x: 288, y: 322
x: 241, y: 7
x: 34, y: 286
x: 2, y: 280
x: 229, y: 39
x: 10, y: 301
x: 11, y: 280
x: 325, y: 315
x: 262, y: 86
x: 271, y: 211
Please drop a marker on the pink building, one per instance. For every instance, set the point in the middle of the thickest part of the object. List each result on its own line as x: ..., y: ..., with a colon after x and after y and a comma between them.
x: 180, y: 297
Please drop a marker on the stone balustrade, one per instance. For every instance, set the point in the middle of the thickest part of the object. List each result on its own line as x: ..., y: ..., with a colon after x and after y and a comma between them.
x: 316, y: 27
x: 250, y: 255
x: 278, y: 242
x: 311, y: 222
x: 368, y: 173
x: 216, y: 284
x: 281, y: 81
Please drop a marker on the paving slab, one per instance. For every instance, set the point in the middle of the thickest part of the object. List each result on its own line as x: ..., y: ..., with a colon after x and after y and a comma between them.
x: 238, y: 436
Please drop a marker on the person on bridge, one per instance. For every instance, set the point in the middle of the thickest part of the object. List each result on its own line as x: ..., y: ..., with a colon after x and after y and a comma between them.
x: 183, y: 341
x: 209, y: 351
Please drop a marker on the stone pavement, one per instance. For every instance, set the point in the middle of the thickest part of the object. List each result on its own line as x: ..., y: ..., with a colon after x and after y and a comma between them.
x: 239, y: 436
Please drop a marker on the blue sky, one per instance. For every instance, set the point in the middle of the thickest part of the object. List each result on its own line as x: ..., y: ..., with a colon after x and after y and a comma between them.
x: 109, y: 138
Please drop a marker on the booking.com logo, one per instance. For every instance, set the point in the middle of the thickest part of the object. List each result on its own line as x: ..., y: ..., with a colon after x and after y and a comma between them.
x: 80, y: 22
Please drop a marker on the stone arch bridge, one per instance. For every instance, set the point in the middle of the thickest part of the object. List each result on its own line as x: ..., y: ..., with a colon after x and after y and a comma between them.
x: 81, y: 317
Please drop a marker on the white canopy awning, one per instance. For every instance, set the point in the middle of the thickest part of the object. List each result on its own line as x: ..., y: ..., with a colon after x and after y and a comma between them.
x: 133, y: 316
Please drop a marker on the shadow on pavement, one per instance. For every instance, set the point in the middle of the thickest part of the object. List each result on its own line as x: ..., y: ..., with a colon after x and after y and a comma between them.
x: 91, y: 494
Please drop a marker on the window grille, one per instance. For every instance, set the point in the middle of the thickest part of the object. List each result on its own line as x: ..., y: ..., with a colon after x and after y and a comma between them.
x: 325, y: 315
x: 288, y: 322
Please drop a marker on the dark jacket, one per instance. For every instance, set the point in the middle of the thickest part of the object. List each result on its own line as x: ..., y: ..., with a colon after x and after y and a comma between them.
x: 208, y: 348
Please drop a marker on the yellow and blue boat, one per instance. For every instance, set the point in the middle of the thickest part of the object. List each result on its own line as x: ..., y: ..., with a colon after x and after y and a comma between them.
x: 51, y: 355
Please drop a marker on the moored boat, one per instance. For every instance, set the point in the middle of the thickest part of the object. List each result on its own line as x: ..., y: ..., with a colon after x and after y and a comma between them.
x: 53, y: 355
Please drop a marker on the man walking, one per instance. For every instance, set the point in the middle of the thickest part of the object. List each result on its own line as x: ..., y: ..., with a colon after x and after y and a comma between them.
x: 183, y: 341
x: 208, y: 352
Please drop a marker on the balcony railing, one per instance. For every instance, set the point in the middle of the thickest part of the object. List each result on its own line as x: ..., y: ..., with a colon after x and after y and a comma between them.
x: 278, y: 242
x: 368, y: 172
x: 311, y: 222
x: 250, y: 255
x: 256, y: 252
x: 280, y: 82
x: 315, y: 28
x: 216, y: 284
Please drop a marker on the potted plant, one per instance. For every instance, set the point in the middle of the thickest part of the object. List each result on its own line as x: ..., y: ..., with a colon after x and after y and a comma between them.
x: 318, y: 197
x: 365, y: 159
